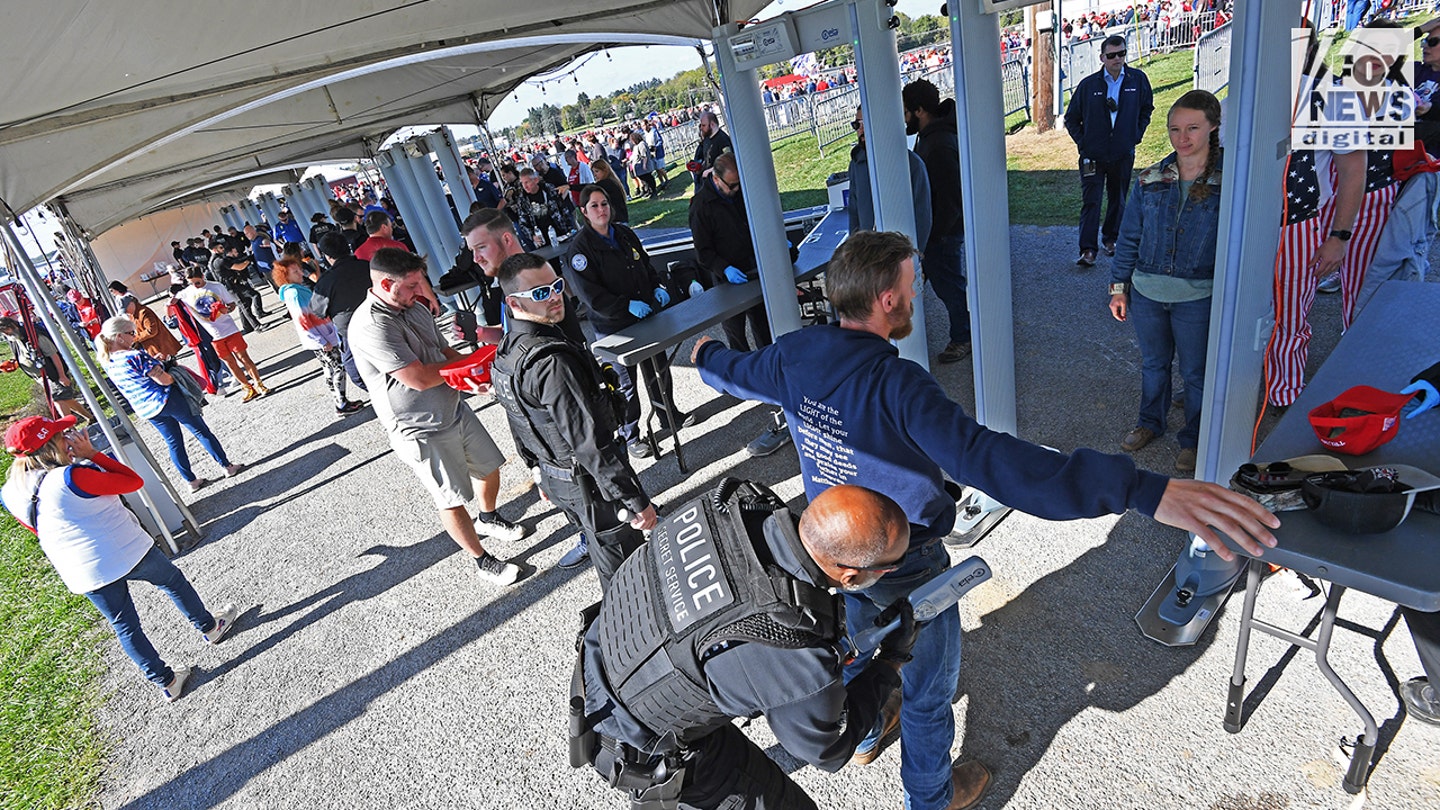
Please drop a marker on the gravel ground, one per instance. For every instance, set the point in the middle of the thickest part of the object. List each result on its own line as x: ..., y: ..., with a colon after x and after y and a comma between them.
x: 370, y: 667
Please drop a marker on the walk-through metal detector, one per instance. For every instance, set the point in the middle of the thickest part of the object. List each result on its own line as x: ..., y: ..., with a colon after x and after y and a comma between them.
x: 1256, y: 140
x: 868, y: 26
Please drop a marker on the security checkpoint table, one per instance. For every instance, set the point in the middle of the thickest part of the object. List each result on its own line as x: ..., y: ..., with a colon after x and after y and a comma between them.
x: 1396, y: 336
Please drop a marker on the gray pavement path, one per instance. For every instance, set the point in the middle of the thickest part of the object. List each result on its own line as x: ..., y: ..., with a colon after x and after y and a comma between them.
x: 371, y: 668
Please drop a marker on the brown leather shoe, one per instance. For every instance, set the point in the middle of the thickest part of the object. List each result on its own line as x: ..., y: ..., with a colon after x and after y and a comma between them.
x: 970, y: 780
x: 1136, y: 439
x: 890, y: 715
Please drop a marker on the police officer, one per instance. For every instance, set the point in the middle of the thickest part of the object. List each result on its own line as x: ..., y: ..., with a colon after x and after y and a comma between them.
x: 563, y: 421
x: 727, y: 612
x: 228, y: 268
x: 614, y: 278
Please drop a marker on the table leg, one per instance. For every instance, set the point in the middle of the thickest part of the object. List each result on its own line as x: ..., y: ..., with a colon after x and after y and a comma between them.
x: 652, y: 381
x: 1359, y: 772
x: 1236, y: 700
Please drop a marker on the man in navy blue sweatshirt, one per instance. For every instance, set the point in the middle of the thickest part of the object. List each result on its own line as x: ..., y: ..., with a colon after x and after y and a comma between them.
x: 864, y: 416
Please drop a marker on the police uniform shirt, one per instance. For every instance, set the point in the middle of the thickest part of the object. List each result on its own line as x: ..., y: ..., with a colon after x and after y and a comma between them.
x: 608, y: 272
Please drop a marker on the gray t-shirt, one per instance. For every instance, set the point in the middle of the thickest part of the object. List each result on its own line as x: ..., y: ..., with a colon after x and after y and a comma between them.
x: 384, y: 340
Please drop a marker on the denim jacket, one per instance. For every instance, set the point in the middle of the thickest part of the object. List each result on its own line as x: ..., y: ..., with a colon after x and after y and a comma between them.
x: 1153, y: 239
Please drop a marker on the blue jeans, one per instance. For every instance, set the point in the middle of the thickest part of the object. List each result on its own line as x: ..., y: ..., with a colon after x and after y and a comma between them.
x: 1165, y: 331
x: 176, y: 413
x: 118, y: 608
x: 944, y: 267
x: 927, y: 723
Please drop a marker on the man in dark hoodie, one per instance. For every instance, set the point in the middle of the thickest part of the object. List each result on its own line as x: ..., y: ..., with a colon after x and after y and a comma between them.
x: 938, y: 145
x: 865, y: 417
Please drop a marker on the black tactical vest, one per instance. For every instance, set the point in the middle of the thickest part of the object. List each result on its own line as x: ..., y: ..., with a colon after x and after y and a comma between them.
x: 704, y: 582
x: 530, y: 420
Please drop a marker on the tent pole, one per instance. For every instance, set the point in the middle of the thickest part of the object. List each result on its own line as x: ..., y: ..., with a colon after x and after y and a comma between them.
x: 49, y: 313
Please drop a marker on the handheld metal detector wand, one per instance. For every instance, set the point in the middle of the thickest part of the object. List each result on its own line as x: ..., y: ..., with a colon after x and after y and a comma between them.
x: 929, y: 600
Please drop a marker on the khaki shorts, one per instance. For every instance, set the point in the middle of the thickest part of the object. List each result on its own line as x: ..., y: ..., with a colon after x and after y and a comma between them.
x: 445, y: 461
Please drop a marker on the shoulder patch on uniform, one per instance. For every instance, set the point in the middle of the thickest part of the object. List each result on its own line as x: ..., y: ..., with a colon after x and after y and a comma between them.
x: 579, y: 262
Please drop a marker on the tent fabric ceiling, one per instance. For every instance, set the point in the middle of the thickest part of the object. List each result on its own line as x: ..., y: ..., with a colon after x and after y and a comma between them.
x: 118, y: 109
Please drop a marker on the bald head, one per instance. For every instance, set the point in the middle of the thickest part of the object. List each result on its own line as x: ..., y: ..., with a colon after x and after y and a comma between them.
x: 847, y: 528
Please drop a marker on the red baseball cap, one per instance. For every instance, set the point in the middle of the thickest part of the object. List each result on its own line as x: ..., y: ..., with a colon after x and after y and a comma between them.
x: 1359, y: 420
x: 33, y: 432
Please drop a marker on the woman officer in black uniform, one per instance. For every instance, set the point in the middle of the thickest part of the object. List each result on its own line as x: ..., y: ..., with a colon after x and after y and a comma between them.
x: 612, y: 274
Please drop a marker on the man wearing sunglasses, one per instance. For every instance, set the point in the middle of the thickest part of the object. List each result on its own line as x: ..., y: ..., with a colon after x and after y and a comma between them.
x: 1107, y: 116
x: 563, y: 420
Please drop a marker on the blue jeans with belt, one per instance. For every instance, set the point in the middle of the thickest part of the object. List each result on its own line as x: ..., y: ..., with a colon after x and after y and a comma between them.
x: 927, y: 723
x: 118, y: 608
x: 168, y: 421
x: 1165, y: 331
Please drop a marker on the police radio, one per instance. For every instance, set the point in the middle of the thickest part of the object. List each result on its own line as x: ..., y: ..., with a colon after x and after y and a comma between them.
x: 929, y: 600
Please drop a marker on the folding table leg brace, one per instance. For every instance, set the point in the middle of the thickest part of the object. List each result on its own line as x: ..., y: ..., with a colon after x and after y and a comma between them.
x: 1359, y: 771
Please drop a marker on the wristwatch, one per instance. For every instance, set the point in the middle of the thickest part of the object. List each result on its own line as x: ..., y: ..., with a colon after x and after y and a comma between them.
x: 1342, y: 235
x: 1119, y: 288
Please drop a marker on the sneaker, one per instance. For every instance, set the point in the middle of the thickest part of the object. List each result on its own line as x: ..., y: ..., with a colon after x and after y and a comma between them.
x: 349, y: 408
x: 1136, y: 439
x: 497, y: 571
x: 224, y: 620
x: 768, y: 442
x: 234, y: 470
x: 1185, y: 461
x: 173, y: 690
x: 498, y: 528
x: 576, y: 556
x: 1330, y: 284
x: 955, y: 352
x: 1421, y: 701
x: 1087, y: 258
x: 888, y: 723
x: 686, y: 420
x: 640, y: 449
x: 197, y: 485
x: 261, y: 388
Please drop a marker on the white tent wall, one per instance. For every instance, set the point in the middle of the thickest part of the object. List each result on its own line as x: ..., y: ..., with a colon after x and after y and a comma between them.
x: 130, y: 250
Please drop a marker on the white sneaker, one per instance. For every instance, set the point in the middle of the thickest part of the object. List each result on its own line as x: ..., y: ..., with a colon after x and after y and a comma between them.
x: 497, y: 571
x: 173, y: 690
x: 224, y: 620
x: 500, y: 529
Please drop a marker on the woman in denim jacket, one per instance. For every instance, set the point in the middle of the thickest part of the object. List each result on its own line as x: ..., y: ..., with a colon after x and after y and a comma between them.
x: 1164, y: 269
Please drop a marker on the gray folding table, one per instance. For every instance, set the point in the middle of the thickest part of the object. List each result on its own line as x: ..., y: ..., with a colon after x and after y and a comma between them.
x: 1396, y: 336
x: 646, y: 340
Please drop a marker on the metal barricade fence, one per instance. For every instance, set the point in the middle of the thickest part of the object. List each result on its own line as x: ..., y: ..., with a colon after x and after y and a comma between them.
x: 1212, y: 60
x: 832, y: 111
x: 790, y: 116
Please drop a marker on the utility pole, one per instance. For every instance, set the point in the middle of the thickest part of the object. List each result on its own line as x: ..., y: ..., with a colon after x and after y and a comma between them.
x: 1042, y: 67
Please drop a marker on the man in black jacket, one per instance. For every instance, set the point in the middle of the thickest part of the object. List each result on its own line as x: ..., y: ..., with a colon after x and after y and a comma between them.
x: 343, y: 290
x: 723, y: 246
x: 1107, y: 117
x: 937, y: 144
x: 564, y: 428
x: 714, y: 142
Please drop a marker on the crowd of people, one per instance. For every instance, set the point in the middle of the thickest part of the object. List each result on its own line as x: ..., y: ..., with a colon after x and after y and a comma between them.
x: 733, y: 606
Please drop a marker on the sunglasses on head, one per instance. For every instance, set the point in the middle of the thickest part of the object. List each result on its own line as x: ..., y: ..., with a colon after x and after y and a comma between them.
x: 543, y: 292
x: 1115, y: 55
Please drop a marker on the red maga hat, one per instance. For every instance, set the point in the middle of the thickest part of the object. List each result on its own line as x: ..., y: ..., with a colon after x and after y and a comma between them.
x: 1359, y: 420
x: 33, y: 432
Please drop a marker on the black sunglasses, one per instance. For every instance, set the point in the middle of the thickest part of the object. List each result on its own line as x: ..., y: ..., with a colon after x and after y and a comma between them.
x: 855, y: 125
x: 1431, y: 42
x: 881, y: 568
x: 1115, y: 55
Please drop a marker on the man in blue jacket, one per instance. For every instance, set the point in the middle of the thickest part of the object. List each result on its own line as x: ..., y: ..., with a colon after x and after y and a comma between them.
x: 1108, y: 113
x: 861, y: 415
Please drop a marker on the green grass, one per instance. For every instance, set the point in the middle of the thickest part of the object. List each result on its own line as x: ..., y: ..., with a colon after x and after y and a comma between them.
x: 50, y: 753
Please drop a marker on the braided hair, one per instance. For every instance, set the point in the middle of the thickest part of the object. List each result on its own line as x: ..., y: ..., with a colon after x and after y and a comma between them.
x: 1204, y: 101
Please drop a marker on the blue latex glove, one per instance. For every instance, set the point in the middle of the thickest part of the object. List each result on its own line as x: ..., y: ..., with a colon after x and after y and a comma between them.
x: 696, y: 288
x: 735, y: 275
x: 662, y: 296
x: 1429, y: 398
x: 640, y: 309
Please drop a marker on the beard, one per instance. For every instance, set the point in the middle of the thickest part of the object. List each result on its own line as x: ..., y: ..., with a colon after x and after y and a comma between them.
x: 902, y: 323
x: 912, y: 125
